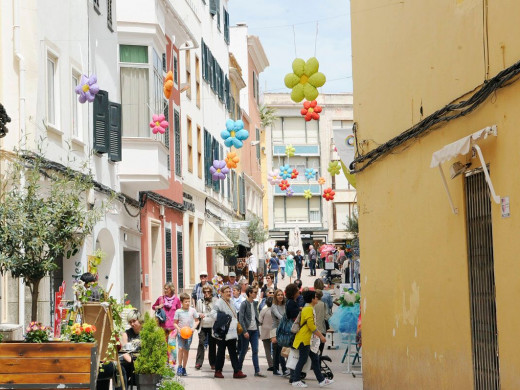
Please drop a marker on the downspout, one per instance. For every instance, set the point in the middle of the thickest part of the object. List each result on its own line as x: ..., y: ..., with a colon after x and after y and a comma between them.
x: 21, y: 113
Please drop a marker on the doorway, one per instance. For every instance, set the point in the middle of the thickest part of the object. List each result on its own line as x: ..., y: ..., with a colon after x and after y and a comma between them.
x: 132, y: 278
x: 484, y: 333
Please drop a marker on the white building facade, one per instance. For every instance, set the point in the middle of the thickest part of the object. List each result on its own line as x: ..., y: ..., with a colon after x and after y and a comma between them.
x: 319, y: 221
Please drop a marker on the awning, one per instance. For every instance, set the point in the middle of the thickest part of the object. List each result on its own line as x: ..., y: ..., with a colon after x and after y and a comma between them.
x: 462, y: 147
x: 215, y: 238
x: 243, y: 239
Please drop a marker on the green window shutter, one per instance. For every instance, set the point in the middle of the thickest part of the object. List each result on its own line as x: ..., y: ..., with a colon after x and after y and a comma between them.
x: 166, y: 113
x: 208, y: 161
x: 226, y: 26
x: 114, y: 147
x: 204, y: 60
x: 101, y: 122
x: 227, y: 94
x: 215, y: 150
x: 168, y: 252
x: 180, y: 264
x: 177, y: 129
x: 175, y: 70
x: 221, y: 154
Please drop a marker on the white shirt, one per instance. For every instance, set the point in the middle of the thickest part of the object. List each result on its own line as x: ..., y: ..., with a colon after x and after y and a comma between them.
x: 253, y: 263
x: 282, y: 263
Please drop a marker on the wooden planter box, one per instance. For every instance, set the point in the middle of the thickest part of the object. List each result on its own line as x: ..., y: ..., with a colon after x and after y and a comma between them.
x: 48, y: 365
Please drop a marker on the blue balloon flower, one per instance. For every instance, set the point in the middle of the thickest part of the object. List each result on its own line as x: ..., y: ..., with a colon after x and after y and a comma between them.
x: 285, y: 172
x: 234, y: 134
x: 310, y: 173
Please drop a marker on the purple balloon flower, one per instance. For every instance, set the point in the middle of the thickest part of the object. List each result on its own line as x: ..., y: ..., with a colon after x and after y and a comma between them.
x: 219, y: 170
x: 289, y: 192
x: 87, y: 88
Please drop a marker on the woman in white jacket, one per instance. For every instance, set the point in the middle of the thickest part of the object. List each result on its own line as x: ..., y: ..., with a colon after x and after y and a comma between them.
x: 266, y: 321
x: 224, y: 305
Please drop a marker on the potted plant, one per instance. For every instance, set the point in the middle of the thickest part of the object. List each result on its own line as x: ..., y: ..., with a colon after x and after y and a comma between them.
x: 152, y: 362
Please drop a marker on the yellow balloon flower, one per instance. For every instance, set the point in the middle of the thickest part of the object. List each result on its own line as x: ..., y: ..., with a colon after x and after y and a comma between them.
x: 334, y: 168
x: 289, y: 150
x: 305, y: 79
x: 307, y: 194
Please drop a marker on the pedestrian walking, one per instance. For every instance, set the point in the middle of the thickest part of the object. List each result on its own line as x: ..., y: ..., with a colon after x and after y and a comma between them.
x: 269, y: 293
x: 252, y: 263
x: 266, y: 324
x: 204, y: 307
x: 322, y: 316
x: 274, y: 265
x: 185, y: 317
x: 282, y: 266
x: 302, y: 342
x: 229, y: 341
x: 170, y: 303
x: 197, y: 290
x: 269, y: 283
x: 327, y: 298
x: 298, y: 263
x: 249, y: 318
x: 277, y: 312
x: 232, y: 279
x: 312, y: 260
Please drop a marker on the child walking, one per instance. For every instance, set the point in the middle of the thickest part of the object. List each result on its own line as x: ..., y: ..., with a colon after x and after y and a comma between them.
x: 186, y: 316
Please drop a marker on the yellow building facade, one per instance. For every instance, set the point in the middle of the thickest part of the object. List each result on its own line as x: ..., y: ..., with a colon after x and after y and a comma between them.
x: 440, y: 282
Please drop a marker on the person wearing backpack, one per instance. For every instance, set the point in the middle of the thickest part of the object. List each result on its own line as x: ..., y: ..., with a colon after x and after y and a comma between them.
x: 302, y: 342
x: 229, y: 342
x: 277, y: 312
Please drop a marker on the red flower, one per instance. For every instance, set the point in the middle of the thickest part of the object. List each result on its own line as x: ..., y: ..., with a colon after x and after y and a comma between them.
x: 284, y: 184
x: 294, y: 174
x: 328, y: 194
x: 311, y: 110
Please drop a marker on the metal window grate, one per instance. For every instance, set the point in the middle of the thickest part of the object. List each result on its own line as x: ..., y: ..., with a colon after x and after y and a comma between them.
x: 484, y: 332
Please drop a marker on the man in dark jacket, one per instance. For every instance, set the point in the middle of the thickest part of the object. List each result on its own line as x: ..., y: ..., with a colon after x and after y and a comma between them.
x: 298, y: 264
x: 249, y: 319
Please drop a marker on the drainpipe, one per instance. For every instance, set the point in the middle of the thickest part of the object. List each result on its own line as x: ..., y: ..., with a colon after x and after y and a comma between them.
x: 21, y: 113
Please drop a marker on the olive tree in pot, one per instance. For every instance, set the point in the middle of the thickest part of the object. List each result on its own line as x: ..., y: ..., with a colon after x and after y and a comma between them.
x: 152, y: 363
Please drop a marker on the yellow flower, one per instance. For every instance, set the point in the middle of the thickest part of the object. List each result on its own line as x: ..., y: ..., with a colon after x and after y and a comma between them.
x: 305, y: 79
x: 307, y: 194
x: 289, y: 150
x: 334, y: 168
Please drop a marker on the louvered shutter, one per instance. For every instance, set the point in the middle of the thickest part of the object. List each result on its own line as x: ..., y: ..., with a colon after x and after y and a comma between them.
x: 213, y: 7
x: 204, y: 60
x: 177, y: 129
x: 215, y: 150
x: 207, y: 157
x: 180, y: 263
x: 101, y: 122
x: 168, y: 257
x: 114, y: 145
x: 167, y: 132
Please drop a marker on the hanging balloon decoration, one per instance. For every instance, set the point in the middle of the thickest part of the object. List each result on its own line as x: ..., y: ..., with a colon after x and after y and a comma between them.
x: 311, y: 110
x: 328, y: 194
x: 159, y: 124
x: 218, y: 170
x: 87, y: 89
x: 307, y: 194
x: 168, y: 85
x: 232, y: 160
x: 285, y: 172
x: 310, y: 173
x: 273, y: 177
x: 294, y: 174
x: 305, y: 79
x: 284, y: 184
x: 289, y: 192
x: 234, y: 134
x: 321, y: 181
x: 290, y: 150
x: 334, y: 168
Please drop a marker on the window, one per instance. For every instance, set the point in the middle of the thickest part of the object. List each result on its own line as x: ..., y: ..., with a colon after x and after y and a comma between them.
x: 256, y: 92
x: 133, y: 54
x: 279, y: 209
x: 197, y: 79
x: 177, y: 129
x: 294, y: 130
x: 190, y: 145
x: 168, y: 257
x: 96, y: 6
x: 341, y: 212
x: 315, y: 209
x: 107, y: 126
x: 213, y: 6
x: 199, y: 152
x: 75, y: 112
x: 311, y: 130
x: 188, y: 73
x: 226, y: 26
x: 296, y: 209
x: 234, y: 190
x: 52, y: 103
x: 342, y: 124
x: 175, y: 70
x: 215, y: 149
x: 164, y: 65
x: 207, y: 158
x: 109, y: 15
x: 218, y: 16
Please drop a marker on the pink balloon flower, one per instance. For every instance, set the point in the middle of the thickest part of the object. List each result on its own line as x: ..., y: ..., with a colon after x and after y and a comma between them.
x: 159, y: 124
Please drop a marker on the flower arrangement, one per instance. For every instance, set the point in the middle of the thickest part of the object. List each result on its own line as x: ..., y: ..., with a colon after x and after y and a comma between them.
x: 349, y: 297
x: 82, y: 333
x: 37, y: 333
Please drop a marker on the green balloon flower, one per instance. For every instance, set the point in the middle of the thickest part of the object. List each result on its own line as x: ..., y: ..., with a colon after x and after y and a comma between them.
x: 305, y: 80
x: 334, y: 168
x: 307, y: 194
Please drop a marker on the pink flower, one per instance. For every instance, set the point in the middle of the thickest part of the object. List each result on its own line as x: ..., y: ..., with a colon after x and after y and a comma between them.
x: 159, y: 124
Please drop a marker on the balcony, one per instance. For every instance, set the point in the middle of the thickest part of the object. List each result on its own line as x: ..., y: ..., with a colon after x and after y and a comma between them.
x: 299, y: 188
x: 299, y: 150
x: 144, y: 166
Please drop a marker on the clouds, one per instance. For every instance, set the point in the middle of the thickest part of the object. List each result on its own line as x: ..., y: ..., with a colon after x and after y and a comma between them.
x: 273, y: 20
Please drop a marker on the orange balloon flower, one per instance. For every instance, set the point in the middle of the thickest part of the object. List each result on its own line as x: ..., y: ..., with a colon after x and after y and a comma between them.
x: 168, y: 84
x: 232, y: 160
x: 321, y: 181
x: 328, y: 194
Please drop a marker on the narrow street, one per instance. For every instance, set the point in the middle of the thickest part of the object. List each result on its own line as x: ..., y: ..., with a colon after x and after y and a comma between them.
x: 203, y: 379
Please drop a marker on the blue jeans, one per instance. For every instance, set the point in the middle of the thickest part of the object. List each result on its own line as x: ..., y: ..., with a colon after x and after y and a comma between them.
x: 253, y: 339
x: 274, y: 272
x: 305, y: 353
x: 312, y: 266
x: 282, y: 269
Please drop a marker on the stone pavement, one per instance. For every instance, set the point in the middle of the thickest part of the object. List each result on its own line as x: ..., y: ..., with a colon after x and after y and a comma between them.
x: 203, y: 379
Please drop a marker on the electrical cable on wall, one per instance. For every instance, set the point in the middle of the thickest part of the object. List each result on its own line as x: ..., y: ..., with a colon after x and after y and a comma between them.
x: 449, y: 112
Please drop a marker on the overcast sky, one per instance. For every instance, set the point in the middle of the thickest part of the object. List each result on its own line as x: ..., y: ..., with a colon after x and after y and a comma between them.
x: 273, y: 20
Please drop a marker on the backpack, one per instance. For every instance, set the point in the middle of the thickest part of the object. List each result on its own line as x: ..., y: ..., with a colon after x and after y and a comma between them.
x: 221, y: 326
x: 284, y: 335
